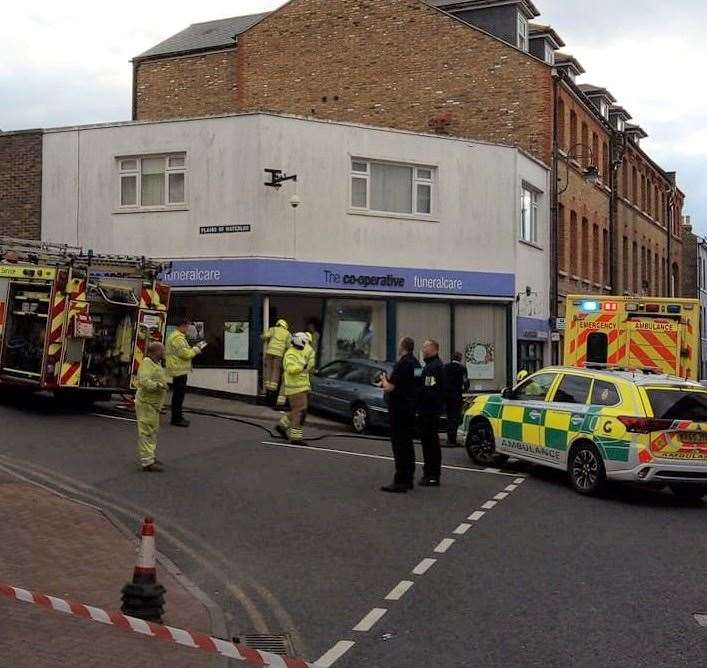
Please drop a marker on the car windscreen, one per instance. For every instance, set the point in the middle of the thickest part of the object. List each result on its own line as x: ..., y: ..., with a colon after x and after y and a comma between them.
x: 678, y: 404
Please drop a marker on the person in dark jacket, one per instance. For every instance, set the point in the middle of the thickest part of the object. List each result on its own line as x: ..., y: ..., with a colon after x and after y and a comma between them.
x: 401, y: 390
x: 430, y: 409
x: 457, y: 382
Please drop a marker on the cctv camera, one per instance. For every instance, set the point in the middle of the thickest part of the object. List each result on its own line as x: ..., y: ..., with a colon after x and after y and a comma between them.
x: 295, y: 201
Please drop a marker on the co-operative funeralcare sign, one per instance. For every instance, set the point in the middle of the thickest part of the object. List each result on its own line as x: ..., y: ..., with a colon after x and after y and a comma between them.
x: 249, y: 272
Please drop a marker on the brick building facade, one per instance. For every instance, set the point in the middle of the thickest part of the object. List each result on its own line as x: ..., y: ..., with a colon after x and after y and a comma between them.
x: 406, y: 64
x: 21, y: 184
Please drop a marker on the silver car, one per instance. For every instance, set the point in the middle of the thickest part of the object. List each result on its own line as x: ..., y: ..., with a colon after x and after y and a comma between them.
x: 351, y: 389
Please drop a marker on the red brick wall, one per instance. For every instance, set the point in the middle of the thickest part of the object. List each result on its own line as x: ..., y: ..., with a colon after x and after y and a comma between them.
x: 186, y: 86
x: 21, y: 184
x: 396, y: 63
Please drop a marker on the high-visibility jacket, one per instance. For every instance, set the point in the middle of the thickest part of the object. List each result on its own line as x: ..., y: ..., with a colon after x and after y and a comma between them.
x: 151, y: 384
x: 278, y: 338
x: 179, y: 354
x: 296, y: 372
x: 311, y: 357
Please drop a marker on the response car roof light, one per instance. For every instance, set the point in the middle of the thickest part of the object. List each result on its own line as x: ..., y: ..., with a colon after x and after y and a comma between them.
x: 639, y: 425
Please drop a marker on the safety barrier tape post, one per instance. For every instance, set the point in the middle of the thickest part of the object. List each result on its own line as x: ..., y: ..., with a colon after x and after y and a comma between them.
x: 199, y: 641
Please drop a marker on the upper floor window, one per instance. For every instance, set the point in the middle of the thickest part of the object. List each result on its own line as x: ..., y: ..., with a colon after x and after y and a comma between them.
x: 604, y: 108
x: 549, y: 54
x: 392, y: 188
x: 529, y: 215
x: 522, y: 33
x: 620, y: 124
x: 152, y: 181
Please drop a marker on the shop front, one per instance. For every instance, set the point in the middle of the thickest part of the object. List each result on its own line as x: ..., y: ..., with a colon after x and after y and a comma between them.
x: 353, y: 312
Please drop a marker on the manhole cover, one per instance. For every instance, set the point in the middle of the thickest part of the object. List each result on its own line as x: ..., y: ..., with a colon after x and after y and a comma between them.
x: 278, y: 643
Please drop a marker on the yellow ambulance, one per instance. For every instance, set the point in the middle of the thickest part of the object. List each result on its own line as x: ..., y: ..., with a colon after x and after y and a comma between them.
x: 648, y: 333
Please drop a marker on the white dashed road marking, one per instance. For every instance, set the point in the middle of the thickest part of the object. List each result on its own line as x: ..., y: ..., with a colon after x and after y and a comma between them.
x: 500, y: 496
x: 400, y: 590
x: 489, y: 505
x: 424, y: 566
x: 462, y: 529
x: 369, y: 621
x: 511, y: 488
x: 444, y: 545
x: 335, y: 653
x: 519, y: 481
x: 701, y: 620
x: 476, y: 515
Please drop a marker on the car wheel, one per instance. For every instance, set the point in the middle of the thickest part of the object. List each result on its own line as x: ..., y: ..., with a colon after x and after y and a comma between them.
x: 689, y: 492
x: 360, y: 419
x: 586, y: 469
x: 481, y: 445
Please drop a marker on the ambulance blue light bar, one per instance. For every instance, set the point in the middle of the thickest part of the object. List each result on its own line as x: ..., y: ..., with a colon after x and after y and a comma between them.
x: 590, y: 306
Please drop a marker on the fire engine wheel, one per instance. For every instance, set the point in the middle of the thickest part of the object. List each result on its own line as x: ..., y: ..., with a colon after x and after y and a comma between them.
x: 689, y: 492
x: 481, y: 445
x: 586, y: 469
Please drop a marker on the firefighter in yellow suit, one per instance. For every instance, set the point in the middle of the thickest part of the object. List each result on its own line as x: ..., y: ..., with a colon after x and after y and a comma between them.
x: 311, y: 356
x: 277, y: 339
x: 296, y: 365
x: 151, y: 393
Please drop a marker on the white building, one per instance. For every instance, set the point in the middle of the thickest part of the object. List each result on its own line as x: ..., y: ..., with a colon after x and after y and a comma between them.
x: 396, y: 233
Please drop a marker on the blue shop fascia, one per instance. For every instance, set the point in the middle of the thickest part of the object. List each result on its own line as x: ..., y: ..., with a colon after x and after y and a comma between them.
x: 355, y: 311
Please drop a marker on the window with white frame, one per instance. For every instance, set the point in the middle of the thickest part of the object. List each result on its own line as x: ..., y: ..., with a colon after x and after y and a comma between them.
x: 154, y: 181
x: 549, y: 54
x: 604, y: 108
x: 386, y: 187
x: 522, y: 33
x: 529, y: 214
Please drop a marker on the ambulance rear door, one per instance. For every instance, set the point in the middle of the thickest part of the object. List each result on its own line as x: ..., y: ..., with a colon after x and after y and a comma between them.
x: 654, y: 343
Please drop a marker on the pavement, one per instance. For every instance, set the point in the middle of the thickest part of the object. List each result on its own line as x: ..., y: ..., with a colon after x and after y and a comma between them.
x: 54, y: 546
x: 496, y: 568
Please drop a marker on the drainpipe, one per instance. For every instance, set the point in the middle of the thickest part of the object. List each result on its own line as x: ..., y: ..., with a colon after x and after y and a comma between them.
x: 554, y: 218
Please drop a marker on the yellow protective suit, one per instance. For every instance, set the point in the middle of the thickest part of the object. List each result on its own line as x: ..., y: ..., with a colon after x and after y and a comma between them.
x: 296, y: 383
x: 151, y: 393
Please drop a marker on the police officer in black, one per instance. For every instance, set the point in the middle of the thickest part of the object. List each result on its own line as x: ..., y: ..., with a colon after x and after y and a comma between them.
x: 401, y: 390
x: 456, y: 383
x: 430, y: 410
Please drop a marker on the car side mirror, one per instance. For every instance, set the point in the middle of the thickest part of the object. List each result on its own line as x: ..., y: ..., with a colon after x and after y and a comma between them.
x: 507, y: 393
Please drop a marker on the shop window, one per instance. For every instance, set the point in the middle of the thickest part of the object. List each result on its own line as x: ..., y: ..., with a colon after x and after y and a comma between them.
x: 152, y: 181
x: 425, y: 320
x: 354, y: 329
x: 530, y: 356
x: 382, y: 187
x: 480, y: 334
x: 223, y: 321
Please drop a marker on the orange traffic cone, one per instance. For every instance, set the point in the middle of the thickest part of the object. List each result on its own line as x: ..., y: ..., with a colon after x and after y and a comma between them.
x: 144, y: 596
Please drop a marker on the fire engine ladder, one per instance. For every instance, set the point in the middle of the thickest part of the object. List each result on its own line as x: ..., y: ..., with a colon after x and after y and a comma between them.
x: 60, y: 255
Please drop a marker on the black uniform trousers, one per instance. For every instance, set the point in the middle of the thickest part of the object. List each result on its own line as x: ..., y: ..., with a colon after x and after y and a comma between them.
x: 432, y: 453
x: 402, y: 427
x: 179, y: 390
x: 454, y: 418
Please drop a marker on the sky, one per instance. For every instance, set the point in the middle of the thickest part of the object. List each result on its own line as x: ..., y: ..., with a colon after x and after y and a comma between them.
x: 66, y: 63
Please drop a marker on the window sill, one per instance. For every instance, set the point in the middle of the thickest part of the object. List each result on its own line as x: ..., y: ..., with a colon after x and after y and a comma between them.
x: 531, y: 244
x: 396, y: 216
x: 151, y: 209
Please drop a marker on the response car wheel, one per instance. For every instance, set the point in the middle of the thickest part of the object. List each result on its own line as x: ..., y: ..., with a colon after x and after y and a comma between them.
x: 689, y: 492
x: 360, y: 419
x: 586, y: 469
x: 481, y: 445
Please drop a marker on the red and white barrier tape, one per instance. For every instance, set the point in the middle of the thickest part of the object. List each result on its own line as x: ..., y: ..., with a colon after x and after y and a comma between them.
x: 180, y: 637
